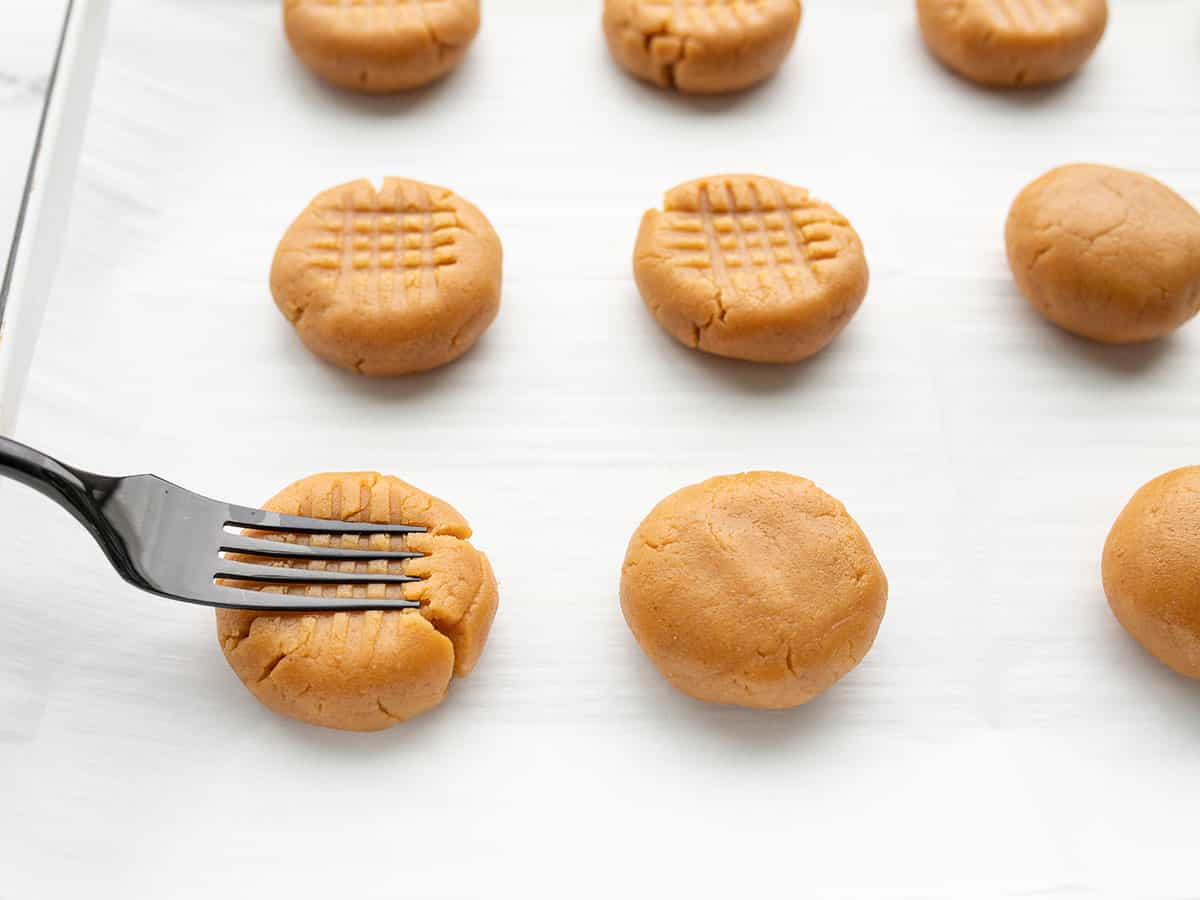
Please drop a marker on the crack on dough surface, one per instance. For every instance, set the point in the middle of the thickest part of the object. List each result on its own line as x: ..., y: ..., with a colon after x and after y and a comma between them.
x: 309, y: 625
x: 709, y: 47
x: 272, y: 665
x: 383, y: 709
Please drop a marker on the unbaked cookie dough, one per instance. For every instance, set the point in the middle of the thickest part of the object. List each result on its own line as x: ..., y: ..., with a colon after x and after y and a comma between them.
x: 380, y: 46
x: 757, y: 590
x: 1152, y: 569
x: 366, y: 671
x: 390, y: 281
x: 1011, y: 43
x: 1105, y: 253
x: 701, y: 46
x: 751, y: 268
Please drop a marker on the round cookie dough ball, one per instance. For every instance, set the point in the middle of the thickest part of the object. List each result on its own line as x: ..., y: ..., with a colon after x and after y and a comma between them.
x: 390, y: 281
x: 757, y: 590
x: 380, y: 47
x: 701, y: 46
x: 1105, y: 253
x: 366, y: 671
x: 1011, y: 43
x: 1152, y: 569
x: 750, y: 268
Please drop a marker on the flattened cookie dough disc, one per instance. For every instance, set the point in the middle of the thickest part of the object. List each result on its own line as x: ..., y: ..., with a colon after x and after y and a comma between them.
x: 1106, y: 253
x: 1152, y: 569
x: 757, y: 590
x: 750, y: 268
x: 366, y: 671
x: 701, y: 46
x: 390, y: 281
x: 1010, y: 43
x: 380, y: 46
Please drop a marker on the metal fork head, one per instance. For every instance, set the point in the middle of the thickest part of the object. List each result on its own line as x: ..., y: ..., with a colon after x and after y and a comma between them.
x: 169, y: 541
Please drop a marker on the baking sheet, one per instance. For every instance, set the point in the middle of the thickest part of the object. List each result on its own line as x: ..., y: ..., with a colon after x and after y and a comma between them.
x: 1003, y: 739
x: 26, y: 56
x: 49, y: 52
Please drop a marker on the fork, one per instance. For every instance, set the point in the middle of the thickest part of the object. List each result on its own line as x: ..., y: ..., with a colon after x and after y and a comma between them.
x: 170, y: 542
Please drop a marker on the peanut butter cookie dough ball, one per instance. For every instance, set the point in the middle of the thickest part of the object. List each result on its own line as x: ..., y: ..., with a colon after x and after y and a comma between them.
x: 750, y: 268
x: 391, y: 281
x: 1105, y: 253
x: 1152, y: 569
x: 701, y: 46
x: 377, y: 46
x: 366, y: 671
x: 757, y: 590
x: 1011, y: 43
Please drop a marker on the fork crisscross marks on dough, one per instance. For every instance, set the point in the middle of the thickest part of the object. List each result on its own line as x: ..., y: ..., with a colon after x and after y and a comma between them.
x: 1032, y: 15
x: 389, y: 13
x: 749, y: 239
x: 388, y: 246
x: 700, y: 16
x: 416, y: 7
x: 370, y: 505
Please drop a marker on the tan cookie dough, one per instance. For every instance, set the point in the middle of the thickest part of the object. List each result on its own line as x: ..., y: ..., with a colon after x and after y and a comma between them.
x: 390, y: 281
x: 1010, y: 43
x: 366, y: 671
x: 1105, y: 253
x: 701, y: 46
x: 750, y: 268
x: 1152, y: 569
x: 757, y: 590
x: 380, y: 46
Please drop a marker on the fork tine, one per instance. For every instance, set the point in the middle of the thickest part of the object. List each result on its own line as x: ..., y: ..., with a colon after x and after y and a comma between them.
x: 235, y: 598
x: 244, y: 517
x: 236, y: 543
x: 239, y: 571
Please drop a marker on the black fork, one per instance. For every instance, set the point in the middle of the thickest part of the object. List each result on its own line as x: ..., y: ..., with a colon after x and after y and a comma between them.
x: 169, y: 541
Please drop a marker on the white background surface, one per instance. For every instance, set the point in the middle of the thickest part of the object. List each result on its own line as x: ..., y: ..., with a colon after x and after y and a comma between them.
x: 1004, y: 738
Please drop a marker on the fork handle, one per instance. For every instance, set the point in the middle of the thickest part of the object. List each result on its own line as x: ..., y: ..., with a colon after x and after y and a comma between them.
x: 78, y: 492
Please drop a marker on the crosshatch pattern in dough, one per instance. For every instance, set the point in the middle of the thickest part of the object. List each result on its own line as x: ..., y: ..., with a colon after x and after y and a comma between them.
x: 750, y: 234
x: 701, y: 45
x: 700, y: 16
x: 1032, y: 16
x: 387, y: 246
x: 374, y: 14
